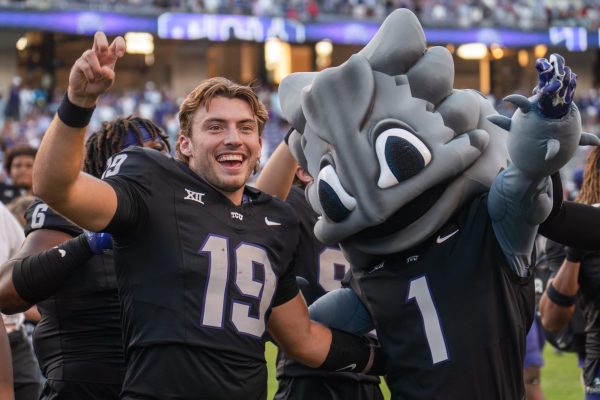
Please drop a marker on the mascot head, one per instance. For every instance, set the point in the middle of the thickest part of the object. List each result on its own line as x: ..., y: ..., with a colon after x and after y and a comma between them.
x: 394, y: 150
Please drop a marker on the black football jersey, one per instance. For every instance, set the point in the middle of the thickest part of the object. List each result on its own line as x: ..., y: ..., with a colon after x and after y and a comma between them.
x: 197, y: 278
x: 323, y: 268
x: 79, y: 335
x: 450, y: 314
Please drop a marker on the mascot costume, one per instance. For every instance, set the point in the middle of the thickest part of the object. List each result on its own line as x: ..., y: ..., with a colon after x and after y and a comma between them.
x: 436, y: 201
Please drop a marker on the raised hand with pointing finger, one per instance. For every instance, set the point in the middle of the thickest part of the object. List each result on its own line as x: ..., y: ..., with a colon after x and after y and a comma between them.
x: 93, y: 73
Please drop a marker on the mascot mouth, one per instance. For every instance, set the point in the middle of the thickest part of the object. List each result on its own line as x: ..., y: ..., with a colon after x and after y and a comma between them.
x: 406, y: 215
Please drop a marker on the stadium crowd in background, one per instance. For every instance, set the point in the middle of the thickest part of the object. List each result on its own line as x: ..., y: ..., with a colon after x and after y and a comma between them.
x: 519, y: 14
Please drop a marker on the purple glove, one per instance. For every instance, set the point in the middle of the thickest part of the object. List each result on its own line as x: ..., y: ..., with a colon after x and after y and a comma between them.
x: 555, y: 87
x: 99, y: 242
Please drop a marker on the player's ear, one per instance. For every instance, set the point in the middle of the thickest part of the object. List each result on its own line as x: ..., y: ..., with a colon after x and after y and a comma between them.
x: 185, y: 145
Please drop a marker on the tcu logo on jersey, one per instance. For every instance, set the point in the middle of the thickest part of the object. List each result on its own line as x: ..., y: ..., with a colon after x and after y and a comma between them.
x: 194, y: 196
x: 237, y: 215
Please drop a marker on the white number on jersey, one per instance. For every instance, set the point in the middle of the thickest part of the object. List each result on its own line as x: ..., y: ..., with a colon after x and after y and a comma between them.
x: 247, y: 258
x: 331, y: 260
x: 114, y: 165
x: 419, y: 290
x: 38, y: 217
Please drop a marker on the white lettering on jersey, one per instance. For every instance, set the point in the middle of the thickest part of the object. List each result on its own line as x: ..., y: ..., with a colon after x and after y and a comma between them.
x: 237, y: 215
x: 194, y: 196
x: 414, y: 258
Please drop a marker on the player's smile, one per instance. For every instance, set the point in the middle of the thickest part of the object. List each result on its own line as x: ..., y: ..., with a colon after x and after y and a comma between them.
x: 231, y: 161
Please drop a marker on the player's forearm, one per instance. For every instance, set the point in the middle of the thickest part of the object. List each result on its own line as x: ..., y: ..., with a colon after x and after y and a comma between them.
x: 58, y: 162
x: 566, y: 280
x: 554, y: 318
x: 277, y: 175
x: 311, y: 349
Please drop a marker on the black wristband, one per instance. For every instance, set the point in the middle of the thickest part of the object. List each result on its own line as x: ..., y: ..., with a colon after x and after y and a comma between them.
x: 348, y: 353
x: 575, y: 255
x: 37, y: 277
x: 559, y: 298
x: 72, y: 115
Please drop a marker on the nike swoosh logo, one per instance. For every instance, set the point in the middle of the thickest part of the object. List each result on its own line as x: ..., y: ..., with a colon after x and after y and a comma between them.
x: 271, y: 223
x: 62, y: 252
x: 442, y: 239
x: 348, y: 368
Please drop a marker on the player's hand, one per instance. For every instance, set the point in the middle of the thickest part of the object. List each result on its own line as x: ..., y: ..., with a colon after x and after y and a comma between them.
x: 99, y: 242
x: 555, y: 87
x: 93, y: 73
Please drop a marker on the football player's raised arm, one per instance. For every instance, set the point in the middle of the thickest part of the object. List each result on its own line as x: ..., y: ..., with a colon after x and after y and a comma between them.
x: 6, y: 374
x: 57, y: 178
x: 277, y: 175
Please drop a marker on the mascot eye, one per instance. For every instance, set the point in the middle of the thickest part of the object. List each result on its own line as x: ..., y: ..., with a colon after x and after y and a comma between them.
x: 401, y: 155
x: 335, y: 201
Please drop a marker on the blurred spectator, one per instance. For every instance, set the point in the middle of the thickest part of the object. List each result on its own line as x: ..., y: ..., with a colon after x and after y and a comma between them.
x: 18, y: 165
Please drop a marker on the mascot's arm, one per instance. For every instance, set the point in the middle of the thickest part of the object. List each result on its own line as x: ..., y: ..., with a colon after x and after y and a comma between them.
x: 342, y: 309
x: 543, y: 135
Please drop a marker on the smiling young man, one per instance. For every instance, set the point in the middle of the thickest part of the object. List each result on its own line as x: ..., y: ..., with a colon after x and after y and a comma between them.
x: 204, y: 263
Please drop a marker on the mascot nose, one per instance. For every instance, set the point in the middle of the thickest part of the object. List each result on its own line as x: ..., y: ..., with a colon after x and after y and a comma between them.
x: 336, y: 203
x: 401, y: 156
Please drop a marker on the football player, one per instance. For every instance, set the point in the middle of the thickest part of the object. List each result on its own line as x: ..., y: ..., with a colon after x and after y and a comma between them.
x: 204, y: 263
x: 71, y: 278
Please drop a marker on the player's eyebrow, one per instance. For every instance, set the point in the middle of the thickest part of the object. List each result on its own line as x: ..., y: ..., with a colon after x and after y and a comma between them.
x: 223, y: 121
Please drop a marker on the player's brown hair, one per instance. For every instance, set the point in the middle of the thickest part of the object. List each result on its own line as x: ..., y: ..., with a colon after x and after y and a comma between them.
x: 107, y: 141
x: 203, y: 94
x: 590, y: 188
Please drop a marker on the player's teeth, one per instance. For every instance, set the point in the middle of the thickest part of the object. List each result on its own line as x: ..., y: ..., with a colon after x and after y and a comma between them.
x: 230, y: 157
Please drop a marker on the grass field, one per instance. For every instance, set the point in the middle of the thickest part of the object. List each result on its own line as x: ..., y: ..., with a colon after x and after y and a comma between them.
x: 560, y: 375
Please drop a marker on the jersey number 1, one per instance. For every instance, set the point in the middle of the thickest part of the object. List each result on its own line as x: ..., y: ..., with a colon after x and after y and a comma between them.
x: 419, y: 291
x: 248, y: 258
